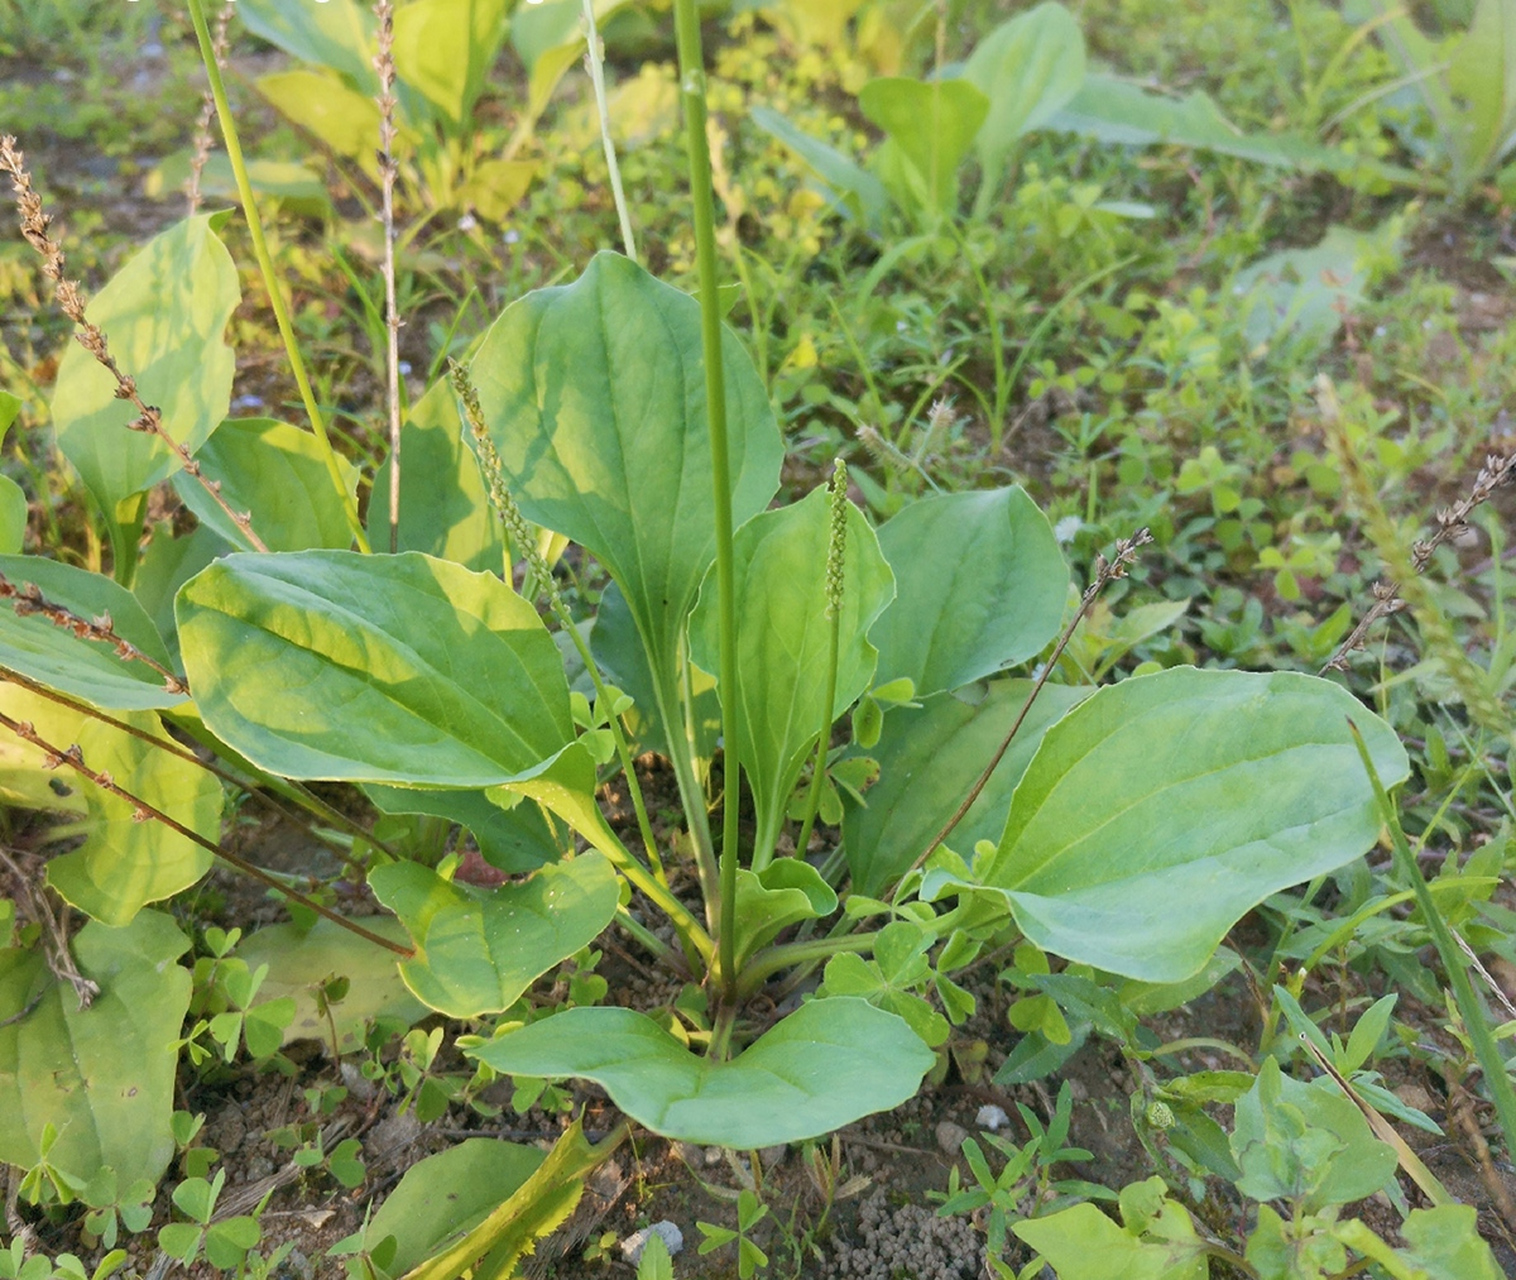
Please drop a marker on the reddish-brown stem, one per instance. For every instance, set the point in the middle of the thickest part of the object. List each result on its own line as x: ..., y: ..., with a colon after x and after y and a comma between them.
x: 1106, y: 572
x: 73, y: 757
x: 29, y: 601
x: 149, y: 419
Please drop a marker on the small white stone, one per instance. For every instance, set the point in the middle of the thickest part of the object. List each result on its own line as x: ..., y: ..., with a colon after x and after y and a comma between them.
x: 992, y: 1118
x: 632, y: 1247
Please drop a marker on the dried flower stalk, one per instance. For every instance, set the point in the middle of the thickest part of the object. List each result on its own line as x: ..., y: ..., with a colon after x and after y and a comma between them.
x: 1402, y: 586
x: 389, y: 170
x: 1123, y: 556
x: 204, y: 139
x: 55, y: 757
x: 34, y: 227
x: 29, y: 601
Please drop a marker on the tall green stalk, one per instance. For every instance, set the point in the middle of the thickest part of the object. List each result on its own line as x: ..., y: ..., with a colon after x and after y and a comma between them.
x: 1475, y: 1021
x: 266, y: 267
x: 692, y: 93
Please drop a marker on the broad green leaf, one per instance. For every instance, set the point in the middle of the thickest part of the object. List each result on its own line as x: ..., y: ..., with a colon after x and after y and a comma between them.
x: 785, y: 892
x: 928, y: 759
x: 932, y: 124
x: 1081, y: 1243
x: 594, y: 394
x: 524, y: 1216
x: 1148, y: 998
x: 980, y: 584
x: 1029, y: 67
x: 478, y: 950
x: 163, y: 314
x: 827, y: 1064
x: 166, y: 565
x: 444, y: 1197
x: 511, y: 840
x: 1294, y: 1140
x: 444, y: 510
x: 296, y: 187
x: 345, y: 119
x: 1444, y: 1244
x: 298, y: 959
x: 87, y: 669
x: 618, y: 649
x: 12, y: 499
x: 331, y: 664
x: 1482, y: 75
x: 445, y: 49
x: 122, y: 864
x: 339, y: 34
x: 815, y: 22
x: 784, y: 641
x: 12, y: 517
x: 103, y: 1077
x: 277, y: 473
x: 565, y: 787
x: 1310, y: 291
x: 1118, y: 111
x: 1160, y: 810
x: 497, y: 186
x: 858, y: 189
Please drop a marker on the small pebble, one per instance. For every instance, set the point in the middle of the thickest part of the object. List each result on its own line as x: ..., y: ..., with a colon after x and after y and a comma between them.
x: 634, y: 1244
x: 950, y: 1136
x: 992, y: 1118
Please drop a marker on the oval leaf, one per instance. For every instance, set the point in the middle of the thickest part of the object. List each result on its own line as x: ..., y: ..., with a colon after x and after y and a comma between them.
x: 277, y: 473
x: 928, y: 758
x: 1029, y: 67
x: 827, y: 1064
x: 932, y: 124
x: 594, y: 395
x: 478, y: 950
x: 784, y: 642
x: 103, y: 1077
x: 447, y: 1195
x: 163, y: 313
x: 122, y: 864
x: 980, y: 584
x: 87, y: 669
x: 330, y: 664
x: 444, y: 510
x: 1162, y: 809
x: 298, y: 959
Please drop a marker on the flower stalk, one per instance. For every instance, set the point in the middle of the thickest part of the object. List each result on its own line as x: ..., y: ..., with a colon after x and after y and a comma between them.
x: 692, y: 95
x: 270, y: 275
x: 836, y: 558
x: 389, y: 170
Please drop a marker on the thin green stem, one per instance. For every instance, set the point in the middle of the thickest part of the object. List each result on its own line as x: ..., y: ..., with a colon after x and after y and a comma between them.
x: 596, y: 60
x: 656, y: 945
x: 720, y: 1044
x: 771, y: 960
x: 270, y: 276
x: 1475, y: 1021
x: 692, y: 91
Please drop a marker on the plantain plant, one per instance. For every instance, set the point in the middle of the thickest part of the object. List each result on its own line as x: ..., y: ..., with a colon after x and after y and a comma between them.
x: 1126, y: 827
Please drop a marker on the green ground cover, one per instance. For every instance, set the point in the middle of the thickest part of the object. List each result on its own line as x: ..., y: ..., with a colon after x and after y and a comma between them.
x: 914, y: 676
